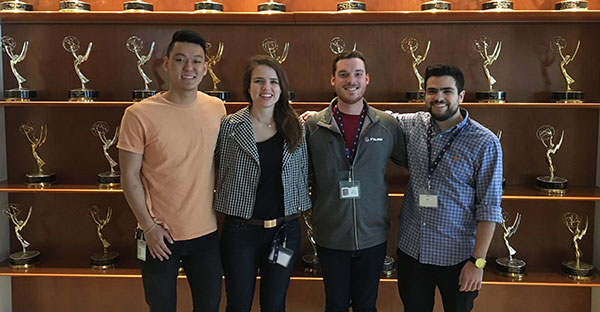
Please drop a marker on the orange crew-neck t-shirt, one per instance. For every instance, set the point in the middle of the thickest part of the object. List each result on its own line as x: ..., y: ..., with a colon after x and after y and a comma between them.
x: 177, y: 142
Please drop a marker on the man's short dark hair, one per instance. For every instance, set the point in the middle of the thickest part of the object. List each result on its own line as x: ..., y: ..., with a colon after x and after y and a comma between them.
x: 439, y: 70
x: 347, y: 55
x: 189, y: 36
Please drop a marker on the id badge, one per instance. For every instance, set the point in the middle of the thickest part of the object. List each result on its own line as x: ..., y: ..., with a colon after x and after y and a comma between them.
x: 141, y: 249
x: 350, y: 189
x: 284, y: 256
x: 428, y: 199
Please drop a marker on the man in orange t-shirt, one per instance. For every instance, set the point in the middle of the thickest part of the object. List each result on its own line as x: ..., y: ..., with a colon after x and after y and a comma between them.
x: 166, y: 146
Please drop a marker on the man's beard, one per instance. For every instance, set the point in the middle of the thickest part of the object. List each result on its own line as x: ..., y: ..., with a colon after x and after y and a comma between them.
x: 449, y: 113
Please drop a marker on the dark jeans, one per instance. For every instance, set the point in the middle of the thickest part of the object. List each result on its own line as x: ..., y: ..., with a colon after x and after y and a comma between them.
x: 351, y: 278
x: 202, y: 264
x: 417, y: 282
x: 244, y: 249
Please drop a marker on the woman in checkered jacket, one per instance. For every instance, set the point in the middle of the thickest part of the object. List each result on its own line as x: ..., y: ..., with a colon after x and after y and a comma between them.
x: 262, y: 186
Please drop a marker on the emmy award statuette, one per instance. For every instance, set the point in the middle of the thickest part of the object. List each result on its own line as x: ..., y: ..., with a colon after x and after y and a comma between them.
x: 271, y: 46
x: 510, y: 266
x: 138, y: 6
x: 338, y: 46
x: 497, y: 5
x: 576, y: 269
x: 39, y: 178
x: 481, y: 45
x: 18, y: 94
x: 106, y: 259
x: 83, y: 94
x: 15, y: 6
x: 208, y: 7
x: 551, y: 185
x: 74, y: 6
x: 24, y: 259
x: 110, y: 178
x: 351, y: 6
x: 271, y: 7
x: 310, y: 261
x: 135, y: 45
x: 212, y: 60
x: 571, y: 5
x: 558, y: 44
x: 410, y: 46
x: 436, y: 5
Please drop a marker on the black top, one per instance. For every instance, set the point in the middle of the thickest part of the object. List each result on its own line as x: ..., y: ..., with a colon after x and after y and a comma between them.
x: 269, y: 194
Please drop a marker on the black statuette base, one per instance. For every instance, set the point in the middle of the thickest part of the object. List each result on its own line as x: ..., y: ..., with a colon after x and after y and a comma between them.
x: 24, y: 260
x: 583, y: 272
x: 352, y: 6
x: 104, y: 260
x: 436, y: 6
x: 208, y: 6
x: 513, y: 268
x: 19, y: 95
x: 138, y: 6
x: 15, y: 6
x: 497, y: 5
x: 311, y: 264
x: 552, y: 186
x: 271, y: 7
x: 37, y: 177
x: 222, y: 95
x: 490, y: 96
x: 139, y: 95
x: 415, y: 96
x: 83, y: 95
x: 567, y: 96
x: 74, y: 6
x: 577, y: 5
x: 109, y: 177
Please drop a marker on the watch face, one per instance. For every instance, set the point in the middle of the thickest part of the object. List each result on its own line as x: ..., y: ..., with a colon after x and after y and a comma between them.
x: 480, y: 263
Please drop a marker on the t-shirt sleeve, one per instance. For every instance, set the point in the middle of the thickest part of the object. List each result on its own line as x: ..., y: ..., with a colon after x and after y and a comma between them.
x: 131, y: 135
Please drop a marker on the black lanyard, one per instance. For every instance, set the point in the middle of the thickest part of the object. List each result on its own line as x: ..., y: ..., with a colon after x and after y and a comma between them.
x: 436, y: 162
x: 350, y: 153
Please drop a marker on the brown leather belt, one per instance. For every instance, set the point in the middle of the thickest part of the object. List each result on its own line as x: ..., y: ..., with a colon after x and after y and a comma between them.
x: 268, y: 224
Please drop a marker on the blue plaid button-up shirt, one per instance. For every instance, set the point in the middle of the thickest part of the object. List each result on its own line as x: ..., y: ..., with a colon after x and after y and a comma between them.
x: 468, y: 182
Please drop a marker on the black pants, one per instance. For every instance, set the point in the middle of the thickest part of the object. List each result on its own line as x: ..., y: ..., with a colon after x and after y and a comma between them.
x: 417, y: 282
x: 201, y: 261
x: 351, y: 278
x: 245, y: 249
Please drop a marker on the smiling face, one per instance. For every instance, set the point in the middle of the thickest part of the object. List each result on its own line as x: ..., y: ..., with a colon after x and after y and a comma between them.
x: 350, y: 80
x: 442, y: 97
x: 264, y: 87
x: 186, y: 66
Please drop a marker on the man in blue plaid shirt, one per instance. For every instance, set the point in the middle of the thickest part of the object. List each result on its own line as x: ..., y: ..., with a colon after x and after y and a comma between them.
x: 452, y: 201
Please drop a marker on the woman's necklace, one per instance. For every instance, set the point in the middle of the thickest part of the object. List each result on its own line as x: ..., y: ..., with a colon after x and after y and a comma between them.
x: 268, y: 124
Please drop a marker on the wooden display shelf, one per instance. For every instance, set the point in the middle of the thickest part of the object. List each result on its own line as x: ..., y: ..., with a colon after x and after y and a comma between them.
x: 520, y: 192
x: 309, y: 17
x: 56, y: 188
x: 301, y: 105
x: 130, y: 269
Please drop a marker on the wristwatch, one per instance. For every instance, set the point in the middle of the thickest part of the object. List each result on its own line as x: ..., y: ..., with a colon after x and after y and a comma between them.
x: 479, y: 262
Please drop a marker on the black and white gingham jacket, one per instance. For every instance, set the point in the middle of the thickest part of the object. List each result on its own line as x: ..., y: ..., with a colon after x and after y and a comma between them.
x: 238, y: 169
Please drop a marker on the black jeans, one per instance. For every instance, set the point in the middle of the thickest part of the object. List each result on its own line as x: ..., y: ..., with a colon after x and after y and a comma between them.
x: 245, y: 249
x: 351, y: 278
x: 417, y: 282
x: 202, y: 264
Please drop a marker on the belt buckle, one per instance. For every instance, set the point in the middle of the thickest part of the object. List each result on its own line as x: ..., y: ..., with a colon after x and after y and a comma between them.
x: 270, y: 223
